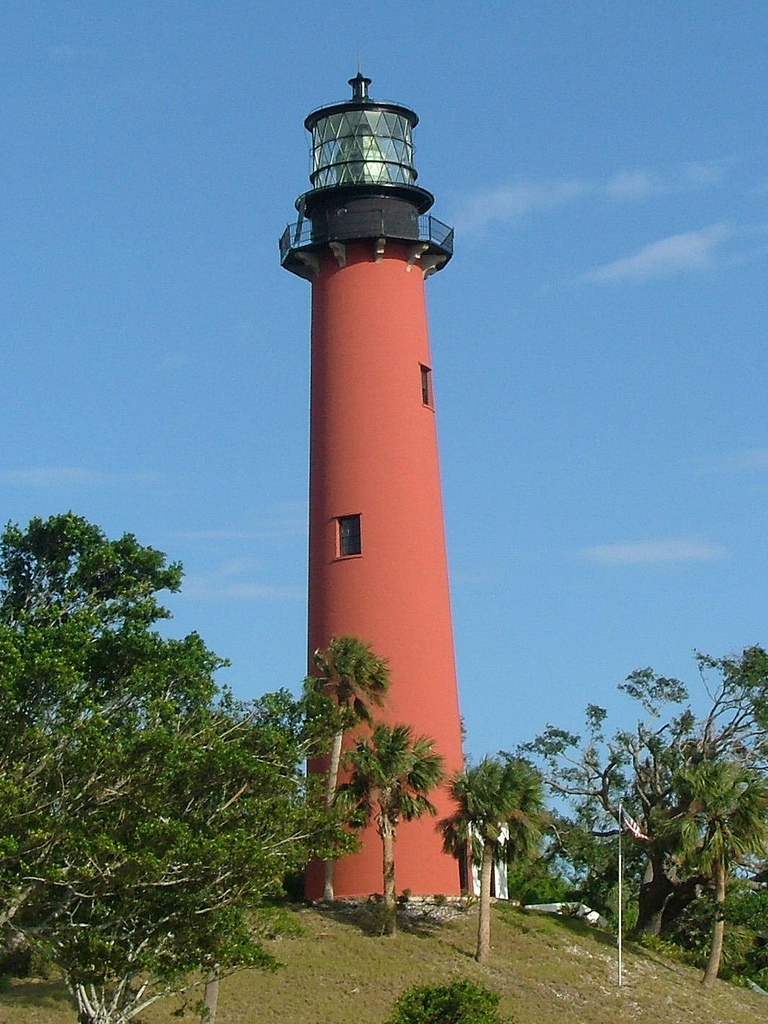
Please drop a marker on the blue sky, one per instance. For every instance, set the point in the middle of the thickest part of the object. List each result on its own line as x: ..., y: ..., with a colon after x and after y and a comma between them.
x: 598, y: 339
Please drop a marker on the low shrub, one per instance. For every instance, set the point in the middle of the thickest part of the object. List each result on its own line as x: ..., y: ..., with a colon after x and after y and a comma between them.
x: 461, y: 1002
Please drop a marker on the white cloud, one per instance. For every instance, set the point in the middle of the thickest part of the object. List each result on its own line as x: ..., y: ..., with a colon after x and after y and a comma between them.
x: 286, y: 519
x: 70, y: 476
x: 704, y: 172
x: 230, y: 582
x: 517, y: 199
x: 65, y: 51
x: 511, y: 202
x: 692, y: 250
x: 654, y: 552
x: 205, y: 535
x: 752, y: 458
x: 172, y: 361
x: 746, y: 460
x: 630, y: 185
x: 695, y: 175
x: 208, y: 590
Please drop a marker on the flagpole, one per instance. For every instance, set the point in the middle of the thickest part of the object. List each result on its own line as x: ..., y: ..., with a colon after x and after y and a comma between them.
x: 621, y: 895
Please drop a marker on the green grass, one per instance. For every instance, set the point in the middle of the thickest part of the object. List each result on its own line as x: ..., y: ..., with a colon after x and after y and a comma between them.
x: 547, y: 970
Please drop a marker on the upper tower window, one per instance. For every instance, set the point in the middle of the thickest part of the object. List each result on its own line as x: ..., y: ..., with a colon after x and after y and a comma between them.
x: 349, y: 539
x: 426, y: 386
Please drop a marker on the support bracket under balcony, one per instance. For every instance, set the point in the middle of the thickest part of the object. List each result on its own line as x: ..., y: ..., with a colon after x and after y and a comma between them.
x: 339, y: 250
x: 415, y: 253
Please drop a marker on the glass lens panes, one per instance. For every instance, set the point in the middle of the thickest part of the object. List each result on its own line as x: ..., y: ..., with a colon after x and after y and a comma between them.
x: 360, y: 147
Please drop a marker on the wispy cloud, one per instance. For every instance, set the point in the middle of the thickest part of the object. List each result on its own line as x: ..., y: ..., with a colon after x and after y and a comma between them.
x: 511, y: 202
x: 286, y: 519
x: 65, y: 51
x: 57, y: 477
x: 631, y: 185
x: 654, y: 552
x: 692, y: 250
x: 234, y: 581
x: 172, y: 361
x: 705, y: 172
x: 744, y: 461
x: 751, y: 458
x: 692, y: 176
x: 206, y: 535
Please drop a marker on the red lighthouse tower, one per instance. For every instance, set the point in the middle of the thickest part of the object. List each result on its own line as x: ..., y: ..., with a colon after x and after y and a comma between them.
x: 377, y: 560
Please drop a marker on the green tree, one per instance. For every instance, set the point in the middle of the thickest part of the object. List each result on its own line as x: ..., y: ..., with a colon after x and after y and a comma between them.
x: 144, y: 814
x: 390, y: 777
x: 164, y: 880
x: 640, y: 766
x: 78, y: 654
x: 354, y: 678
x: 725, y: 822
x: 745, y: 953
x: 500, y: 814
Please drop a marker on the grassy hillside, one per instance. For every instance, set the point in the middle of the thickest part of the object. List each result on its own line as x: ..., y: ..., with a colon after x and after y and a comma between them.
x: 547, y: 969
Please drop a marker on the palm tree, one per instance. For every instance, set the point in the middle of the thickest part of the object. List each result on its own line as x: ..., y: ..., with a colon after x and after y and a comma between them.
x: 391, y: 775
x: 500, y: 814
x: 727, y: 821
x: 354, y: 677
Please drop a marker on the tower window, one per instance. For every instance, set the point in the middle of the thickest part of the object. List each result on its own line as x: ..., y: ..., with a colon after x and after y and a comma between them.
x: 349, y: 535
x: 426, y: 386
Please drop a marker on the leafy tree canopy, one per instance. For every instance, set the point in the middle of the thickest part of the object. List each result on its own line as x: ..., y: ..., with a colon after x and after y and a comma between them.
x: 645, y: 767
x: 724, y: 824
x: 499, y: 815
x: 390, y: 776
x: 144, y: 813
x: 348, y: 678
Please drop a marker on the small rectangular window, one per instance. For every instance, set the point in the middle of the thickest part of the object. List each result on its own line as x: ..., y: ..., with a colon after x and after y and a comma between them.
x: 349, y: 535
x: 426, y: 386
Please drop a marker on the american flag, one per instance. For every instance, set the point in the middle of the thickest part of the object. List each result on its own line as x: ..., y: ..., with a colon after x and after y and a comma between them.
x: 631, y: 826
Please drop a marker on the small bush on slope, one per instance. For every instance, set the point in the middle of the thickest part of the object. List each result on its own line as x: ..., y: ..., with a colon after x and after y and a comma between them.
x: 461, y: 1002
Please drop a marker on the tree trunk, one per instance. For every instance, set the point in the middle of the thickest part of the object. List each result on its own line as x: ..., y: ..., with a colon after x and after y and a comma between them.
x: 10, y: 909
x: 484, y: 917
x: 655, y: 891
x: 85, y: 1008
x: 211, y: 998
x: 387, y: 833
x: 683, y: 893
x: 330, y: 793
x: 718, y: 930
x: 328, y: 893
